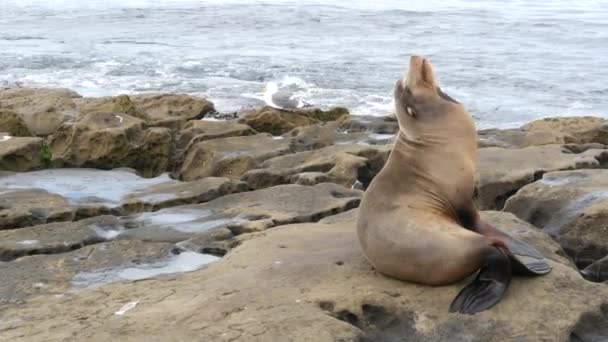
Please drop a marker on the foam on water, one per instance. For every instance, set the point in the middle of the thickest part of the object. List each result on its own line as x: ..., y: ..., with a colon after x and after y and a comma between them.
x: 509, y: 62
x: 184, y: 262
x: 186, y: 220
x: 83, y: 186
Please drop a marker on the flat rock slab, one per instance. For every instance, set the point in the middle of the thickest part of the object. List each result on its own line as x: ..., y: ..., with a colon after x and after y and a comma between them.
x: 310, y: 282
x: 21, y: 153
x: 340, y: 164
x: 501, y: 172
x: 59, y: 237
x: 28, y: 207
x: 556, y: 130
x: 89, y: 192
x: 242, y: 213
x: 572, y: 206
x: 93, y: 266
x: 316, y: 136
x: 209, y: 226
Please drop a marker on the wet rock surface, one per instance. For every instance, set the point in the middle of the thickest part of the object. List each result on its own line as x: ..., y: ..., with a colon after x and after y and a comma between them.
x: 572, y: 206
x: 93, y: 266
x: 106, y: 254
x: 67, y: 194
x: 309, y: 282
x: 247, y: 212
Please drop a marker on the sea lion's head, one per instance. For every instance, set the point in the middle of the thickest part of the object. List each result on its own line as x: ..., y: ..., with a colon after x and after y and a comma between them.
x: 420, y: 103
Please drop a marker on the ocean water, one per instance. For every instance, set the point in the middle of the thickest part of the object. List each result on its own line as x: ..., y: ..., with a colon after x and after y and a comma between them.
x: 508, y: 61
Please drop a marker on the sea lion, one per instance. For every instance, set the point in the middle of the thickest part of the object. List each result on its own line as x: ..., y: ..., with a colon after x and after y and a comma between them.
x: 418, y: 221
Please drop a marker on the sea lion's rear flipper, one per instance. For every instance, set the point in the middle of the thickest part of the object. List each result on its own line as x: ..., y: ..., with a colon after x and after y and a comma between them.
x: 489, y: 286
x: 527, y: 260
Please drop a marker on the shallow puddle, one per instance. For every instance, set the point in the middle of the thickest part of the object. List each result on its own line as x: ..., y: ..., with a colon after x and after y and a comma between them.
x: 184, y: 262
x: 83, y: 186
x: 185, y: 220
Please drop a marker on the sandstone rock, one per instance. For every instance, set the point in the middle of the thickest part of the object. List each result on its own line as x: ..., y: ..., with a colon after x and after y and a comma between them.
x: 160, y: 107
x: 109, y: 140
x: 90, y: 267
x: 341, y: 164
x: 58, y: 237
x: 174, y: 193
x: 20, y: 208
x: 366, y: 123
x: 22, y: 153
x: 277, y: 122
x: 316, y: 136
x: 240, y: 213
x: 200, y: 130
x: 556, y: 130
x: 501, y: 172
x: 43, y: 110
x: 310, y: 282
x: 113, y: 104
x: 572, y: 206
x: 13, y: 124
x: 86, y: 192
x: 229, y: 157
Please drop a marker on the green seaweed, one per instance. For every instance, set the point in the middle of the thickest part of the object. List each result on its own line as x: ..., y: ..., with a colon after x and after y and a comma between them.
x: 46, y: 155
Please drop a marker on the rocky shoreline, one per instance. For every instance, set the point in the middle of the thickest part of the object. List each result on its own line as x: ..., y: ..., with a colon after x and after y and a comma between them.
x: 243, y: 228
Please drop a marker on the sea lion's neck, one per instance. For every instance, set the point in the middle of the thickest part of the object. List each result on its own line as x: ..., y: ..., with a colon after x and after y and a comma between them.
x: 440, y: 167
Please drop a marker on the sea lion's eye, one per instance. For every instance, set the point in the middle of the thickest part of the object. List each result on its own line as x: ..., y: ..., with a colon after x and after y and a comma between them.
x: 410, y: 111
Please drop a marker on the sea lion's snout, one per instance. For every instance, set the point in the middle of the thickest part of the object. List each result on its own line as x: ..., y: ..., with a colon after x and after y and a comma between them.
x: 420, y: 74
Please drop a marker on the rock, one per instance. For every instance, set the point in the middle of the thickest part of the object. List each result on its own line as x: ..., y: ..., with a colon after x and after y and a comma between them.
x: 109, y: 140
x: 310, y: 282
x: 277, y: 122
x: 229, y: 157
x: 572, y: 206
x: 58, y: 237
x: 556, y: 130
x: 597, y: 271
x: 13, y: 124
x: 341, y: 164
x: 160, y: 107
x: 20, y: 208
x: 174, y: 193
x: 112, y: 104
x: 366, y: 123
x: 240, y: 213
x: 87, y: 192
x: 501, y: 172
x: 42, y: 109
x: 93, y: 266
x: 200, y: 130
x: 23, y: 153
x: 316, y: 136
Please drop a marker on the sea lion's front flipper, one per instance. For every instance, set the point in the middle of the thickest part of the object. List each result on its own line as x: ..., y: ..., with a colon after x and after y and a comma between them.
x: 526, y: 259
x: 489, y: 286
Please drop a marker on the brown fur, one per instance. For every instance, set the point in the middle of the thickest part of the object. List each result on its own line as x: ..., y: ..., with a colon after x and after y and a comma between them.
x: 411, y: 217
